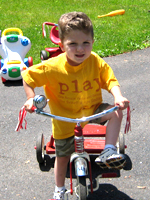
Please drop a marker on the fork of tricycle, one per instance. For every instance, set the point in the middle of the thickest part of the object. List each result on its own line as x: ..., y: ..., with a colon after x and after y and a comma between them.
x: 81, y: 158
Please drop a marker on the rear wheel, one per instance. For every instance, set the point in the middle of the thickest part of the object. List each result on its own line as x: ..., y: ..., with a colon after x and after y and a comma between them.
x: 43, y: 55
x: 121, y: 143
x: 81, y: 187
x: 40, y: 149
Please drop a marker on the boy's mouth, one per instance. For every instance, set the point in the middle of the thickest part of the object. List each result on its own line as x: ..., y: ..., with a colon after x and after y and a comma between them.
x: 80, y: 56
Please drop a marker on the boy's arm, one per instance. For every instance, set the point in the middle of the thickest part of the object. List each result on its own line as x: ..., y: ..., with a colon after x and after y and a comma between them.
x: 30, y: 95
x: 119, y: 99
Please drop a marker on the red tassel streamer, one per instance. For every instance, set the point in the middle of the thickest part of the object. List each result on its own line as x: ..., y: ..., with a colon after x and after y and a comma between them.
x: 128, y: 121
x: 21, y: 118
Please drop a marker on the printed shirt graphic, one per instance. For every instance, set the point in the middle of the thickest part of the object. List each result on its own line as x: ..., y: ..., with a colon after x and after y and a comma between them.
x: 74, y: 91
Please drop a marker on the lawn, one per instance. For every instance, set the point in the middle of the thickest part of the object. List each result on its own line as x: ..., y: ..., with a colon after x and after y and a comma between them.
x: 113, y: 35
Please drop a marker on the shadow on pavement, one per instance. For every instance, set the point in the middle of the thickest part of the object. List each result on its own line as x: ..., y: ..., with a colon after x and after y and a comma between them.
x: 13, y: 83
x: 108, y: 192
x: 105, y: 191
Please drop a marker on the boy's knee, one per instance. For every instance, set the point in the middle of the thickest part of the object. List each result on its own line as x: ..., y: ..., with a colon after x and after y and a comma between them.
x: 119, y: 114
x: 63, y: 160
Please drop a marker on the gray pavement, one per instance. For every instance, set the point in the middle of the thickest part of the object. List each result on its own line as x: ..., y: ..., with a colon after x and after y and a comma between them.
x: 20, y: 175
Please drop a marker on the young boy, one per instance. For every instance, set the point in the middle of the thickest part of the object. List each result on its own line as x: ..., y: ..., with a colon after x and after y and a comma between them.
x: 73, y: 82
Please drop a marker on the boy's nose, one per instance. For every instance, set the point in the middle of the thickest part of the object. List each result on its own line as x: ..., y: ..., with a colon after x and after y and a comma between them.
x: 79, y: 48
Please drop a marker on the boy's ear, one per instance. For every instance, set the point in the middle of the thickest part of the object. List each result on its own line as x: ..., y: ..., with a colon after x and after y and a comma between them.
x: 61, y: 45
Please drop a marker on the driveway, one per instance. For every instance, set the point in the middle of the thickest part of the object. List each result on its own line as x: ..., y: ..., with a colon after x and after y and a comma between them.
x: 20, y: 175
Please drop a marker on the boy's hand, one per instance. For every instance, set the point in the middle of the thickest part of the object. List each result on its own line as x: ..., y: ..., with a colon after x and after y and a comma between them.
x: 122, y: 102
x: 29, y: 105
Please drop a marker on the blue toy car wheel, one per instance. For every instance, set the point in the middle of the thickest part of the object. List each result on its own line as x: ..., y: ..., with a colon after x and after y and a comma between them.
x: 3, y: 80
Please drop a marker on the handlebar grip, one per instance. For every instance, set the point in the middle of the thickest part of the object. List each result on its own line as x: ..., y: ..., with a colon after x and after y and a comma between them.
x: 34, y: 108
x: 43, y: 27
x: 11, y: 30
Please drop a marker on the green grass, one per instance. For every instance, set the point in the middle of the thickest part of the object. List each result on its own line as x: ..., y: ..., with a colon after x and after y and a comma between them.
x: 113, y: 35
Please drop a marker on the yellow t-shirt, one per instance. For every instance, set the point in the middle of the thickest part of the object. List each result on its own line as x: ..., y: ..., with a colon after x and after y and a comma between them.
x: 74, y: 91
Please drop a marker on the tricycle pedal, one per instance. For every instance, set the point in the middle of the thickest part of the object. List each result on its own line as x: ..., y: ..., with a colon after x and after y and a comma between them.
x: 50, y: 149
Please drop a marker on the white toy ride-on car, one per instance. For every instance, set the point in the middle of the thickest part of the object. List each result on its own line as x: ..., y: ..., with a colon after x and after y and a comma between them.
x: 13, y: 48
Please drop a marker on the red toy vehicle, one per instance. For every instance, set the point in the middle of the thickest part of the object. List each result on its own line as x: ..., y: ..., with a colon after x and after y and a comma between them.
x: 52, y: 51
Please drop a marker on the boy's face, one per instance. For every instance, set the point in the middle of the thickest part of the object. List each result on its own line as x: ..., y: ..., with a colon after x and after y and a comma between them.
x: 77, y: 46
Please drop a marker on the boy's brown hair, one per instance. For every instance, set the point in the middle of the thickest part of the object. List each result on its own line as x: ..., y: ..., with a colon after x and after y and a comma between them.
x: 74, y: 21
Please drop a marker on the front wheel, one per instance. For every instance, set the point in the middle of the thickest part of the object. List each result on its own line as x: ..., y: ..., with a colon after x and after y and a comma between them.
x: 81, y: 187
x: 3, y: 80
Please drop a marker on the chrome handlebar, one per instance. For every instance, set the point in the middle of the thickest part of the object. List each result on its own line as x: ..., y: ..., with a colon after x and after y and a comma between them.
x: 40, y: 102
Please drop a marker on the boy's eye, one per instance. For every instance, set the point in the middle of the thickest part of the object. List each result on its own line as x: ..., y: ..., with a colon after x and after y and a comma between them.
x: 75, y: 44
x: 86, y: 42
x: 72, y: 43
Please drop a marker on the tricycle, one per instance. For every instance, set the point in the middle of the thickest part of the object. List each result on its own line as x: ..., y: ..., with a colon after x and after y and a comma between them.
x: 54, y: 37
x: 89, y: 141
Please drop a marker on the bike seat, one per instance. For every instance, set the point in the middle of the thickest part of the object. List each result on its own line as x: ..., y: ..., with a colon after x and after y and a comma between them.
x: 54, y: 36
x: 94, y: 130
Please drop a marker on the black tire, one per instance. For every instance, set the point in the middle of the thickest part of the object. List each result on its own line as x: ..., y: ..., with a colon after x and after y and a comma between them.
x: 40, y: 149
x: 82, y: 189
x: 121, y: 143
x: 43, y: 55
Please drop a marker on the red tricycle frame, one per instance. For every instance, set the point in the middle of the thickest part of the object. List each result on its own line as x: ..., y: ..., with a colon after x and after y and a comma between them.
x: 54, y: 37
